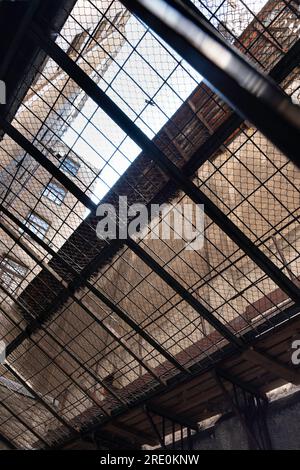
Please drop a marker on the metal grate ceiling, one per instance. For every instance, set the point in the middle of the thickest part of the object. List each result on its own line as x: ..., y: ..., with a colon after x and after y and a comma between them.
x: 95, y: 326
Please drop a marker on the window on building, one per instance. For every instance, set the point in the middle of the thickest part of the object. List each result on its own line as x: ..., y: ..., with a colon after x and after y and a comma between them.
x: 58, y: 155
x: 37, y: 224
x: 54, y: 192
x: 12, y: 273
x: 69, y: 166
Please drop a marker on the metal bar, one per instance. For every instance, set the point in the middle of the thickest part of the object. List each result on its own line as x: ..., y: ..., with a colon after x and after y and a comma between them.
x: 284, y: 260
x: 85, y: 391
x: 121, y: 342
x: 204, y: 365
x: 235, y: 407
x: 153, y: 425
x: 102, y: 100
x: 244, y: 385
x: 120, y: 313
x: 184, y: 294
x: 264, y: 429
x: 173, y: 435
x: 171, y: 416
x: 18, y: 418
x: 30, y: 10
x: 10, y: 348
x: 14, y: 134
x: 251, y: 410
x: 250, y: 92
x: 286, y: 64
x: 43, y: 403
x: 189, y: 439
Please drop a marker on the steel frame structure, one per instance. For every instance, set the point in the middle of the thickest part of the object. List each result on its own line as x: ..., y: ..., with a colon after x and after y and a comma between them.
x: 250, y: 407
x: 165, y: 429
x: 66, y: 182
x: 245, y: 103
x: 189, y: 33
x: 120, y: 118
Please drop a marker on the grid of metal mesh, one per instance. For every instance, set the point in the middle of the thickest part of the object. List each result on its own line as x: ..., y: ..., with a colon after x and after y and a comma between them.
x: 89, y: 326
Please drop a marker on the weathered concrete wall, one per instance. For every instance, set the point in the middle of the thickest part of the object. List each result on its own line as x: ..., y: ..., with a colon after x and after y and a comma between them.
x: 283, y: 419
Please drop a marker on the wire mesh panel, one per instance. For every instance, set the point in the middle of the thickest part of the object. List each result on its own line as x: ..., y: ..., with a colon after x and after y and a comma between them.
x: 263, y: 30
x: 30, y: 421
x: 91, y: 327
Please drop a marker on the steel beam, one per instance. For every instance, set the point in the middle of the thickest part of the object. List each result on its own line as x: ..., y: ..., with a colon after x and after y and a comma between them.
x: 18, y: 418
x: 204, y: 365
x: 271, y: 364
x: 7, y: 442
x: 241, y: 383
x: 247, y: 90
x: 287, y: 63
x: 72, y: 430
x: 174, y: 420
x: 70, y: 292
x: 249, y: 407
x: 107, y: 104
x: 154, y: 428
x: 171, y: 416
x: 279, y: 72
x: 184, y: 294
x: 252, y: 440
x: 51, y: 168
x: 47, y: 333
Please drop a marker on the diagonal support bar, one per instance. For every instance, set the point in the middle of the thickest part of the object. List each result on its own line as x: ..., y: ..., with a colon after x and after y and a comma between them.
x: 95, y: 291
x: 43, y: 350
x: 12, y: 346
x: 26, y: 426
x: 18, y: 137
x: 41, y: 400
x: 246, y: 89
x: 7, y: 442
x: 171, y: 416
x: 184, y: 293
x: 104, y: 102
